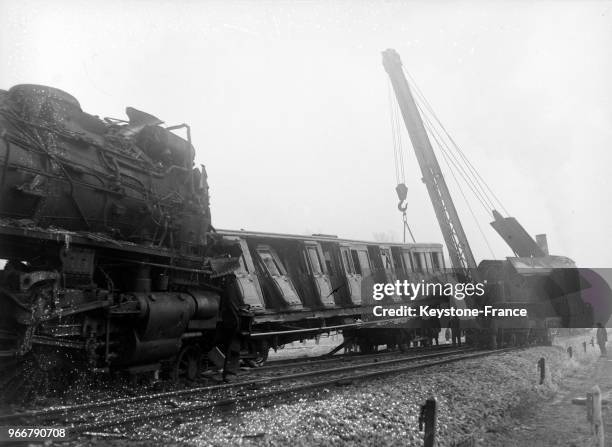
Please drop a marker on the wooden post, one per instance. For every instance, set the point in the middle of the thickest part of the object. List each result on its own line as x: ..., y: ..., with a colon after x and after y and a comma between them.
x: 542, y: 368
x: 427, y: 422
x: 594, y: 415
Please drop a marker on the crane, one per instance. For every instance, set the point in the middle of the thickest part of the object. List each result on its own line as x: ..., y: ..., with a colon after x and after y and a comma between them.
x: 532, y: 279
x: 461, y: 256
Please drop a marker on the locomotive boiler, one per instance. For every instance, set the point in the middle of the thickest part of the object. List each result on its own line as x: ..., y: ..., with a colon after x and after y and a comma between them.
x: 132, y: 180
x: 111, y: 260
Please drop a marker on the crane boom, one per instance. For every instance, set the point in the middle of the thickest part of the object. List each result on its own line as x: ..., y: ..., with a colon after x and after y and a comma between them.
x: 456, y: 241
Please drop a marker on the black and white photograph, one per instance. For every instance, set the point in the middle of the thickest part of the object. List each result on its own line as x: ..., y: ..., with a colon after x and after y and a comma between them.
x: 306, y: 223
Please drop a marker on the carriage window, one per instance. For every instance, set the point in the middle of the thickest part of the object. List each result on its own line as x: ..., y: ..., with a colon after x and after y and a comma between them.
x: 356, y: 262
x: 243, y: 265
x: 269, y: 262
x: 427, y: 261
x: 408, y: 262
x: 315, y: 262
x: 435, y: 258
x: 386, y: 259
x: 328, y: 263
x: 364, y: 259
x: 397, y: 260
x: 419, y: 264
x: 347, y: 262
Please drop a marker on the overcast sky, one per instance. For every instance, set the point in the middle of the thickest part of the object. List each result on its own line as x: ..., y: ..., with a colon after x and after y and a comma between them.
x: 289, y: 106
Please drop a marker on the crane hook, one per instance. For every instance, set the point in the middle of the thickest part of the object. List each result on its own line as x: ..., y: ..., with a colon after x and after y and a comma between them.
x: 402, y: 192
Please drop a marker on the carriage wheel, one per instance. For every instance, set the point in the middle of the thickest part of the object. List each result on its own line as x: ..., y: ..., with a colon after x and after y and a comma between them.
x: 187, y: 365
x: 262, y: 349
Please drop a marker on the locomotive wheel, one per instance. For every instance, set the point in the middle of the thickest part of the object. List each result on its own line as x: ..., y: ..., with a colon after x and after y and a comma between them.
x: 187, y: 365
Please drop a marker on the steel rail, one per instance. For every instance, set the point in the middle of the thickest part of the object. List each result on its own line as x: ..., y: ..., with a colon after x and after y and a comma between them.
x: 82, y: 428
x: 259, y: 381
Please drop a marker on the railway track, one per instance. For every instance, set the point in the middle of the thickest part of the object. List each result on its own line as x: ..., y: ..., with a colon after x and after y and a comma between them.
x: 93, y: 416
x: 276, y: 368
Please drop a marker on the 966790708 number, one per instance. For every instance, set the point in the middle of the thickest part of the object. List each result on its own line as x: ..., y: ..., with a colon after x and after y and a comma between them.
x: 33, y: 433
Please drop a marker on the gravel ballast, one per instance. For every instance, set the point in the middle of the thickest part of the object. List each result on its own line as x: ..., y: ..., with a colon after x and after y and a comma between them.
x: 472, y: 396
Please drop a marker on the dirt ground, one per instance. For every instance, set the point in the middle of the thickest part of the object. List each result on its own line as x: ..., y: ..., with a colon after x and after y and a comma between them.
x: 557, y: 421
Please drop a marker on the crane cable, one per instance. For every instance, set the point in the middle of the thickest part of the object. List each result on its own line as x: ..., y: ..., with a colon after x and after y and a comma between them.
x: 467, y: 177
x: 398, y: 146
x: 451, y: 160
x: 398, y: 156
x: 492, y: 197
x: 394, y: 137
x: 453, y: 157
x: 445, y: 156
x: 456, y: 163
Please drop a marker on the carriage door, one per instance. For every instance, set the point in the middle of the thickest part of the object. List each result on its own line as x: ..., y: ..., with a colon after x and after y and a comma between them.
x: 319, y: 275
x: 389, y: 268
x: 276, y: 271
x: 408, y: 264
x: 419, y: 264
x: 398, y: 262
x: 353, y: 279
x: 247, y: 280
